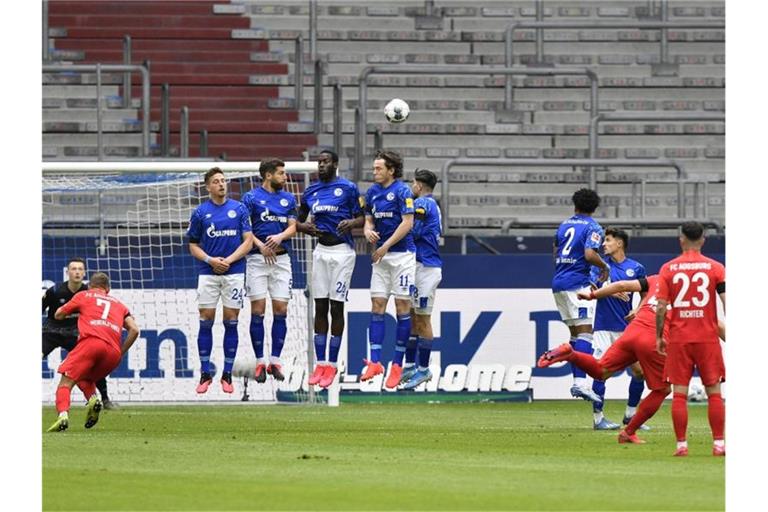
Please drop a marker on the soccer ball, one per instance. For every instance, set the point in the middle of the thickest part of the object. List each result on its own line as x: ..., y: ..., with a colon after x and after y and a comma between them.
x: 397, y: 111
x: 696, y: 393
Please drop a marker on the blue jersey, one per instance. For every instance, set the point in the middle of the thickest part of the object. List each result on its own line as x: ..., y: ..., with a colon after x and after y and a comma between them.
x: 610, y: 311
x: 219, y: 231
x: 387, y: 207
x: 573, y: 237
x: 332, y: 202
x: 270, y: 212
x: 427, y: 228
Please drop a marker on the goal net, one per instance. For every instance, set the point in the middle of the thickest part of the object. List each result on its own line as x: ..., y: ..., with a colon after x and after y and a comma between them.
x: 130, y: 220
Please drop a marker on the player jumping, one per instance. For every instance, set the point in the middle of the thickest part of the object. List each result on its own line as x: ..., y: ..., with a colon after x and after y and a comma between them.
x: 219, y: 237
x: 98, y: 350
x: 388, y: 224
x: 334, y: 203
x: 575, y: 250
x: 427, y: 229
x: 689, y: 283
x: 273, y: 216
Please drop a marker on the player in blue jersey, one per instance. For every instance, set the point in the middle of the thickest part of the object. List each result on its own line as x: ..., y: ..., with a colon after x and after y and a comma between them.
x: 611, y: 320
x: 335, y: 206
x: 427, y: 229
x: 575, y: 250
x: 388, y: 224
x: 219, y: 237
x: 273, y: 217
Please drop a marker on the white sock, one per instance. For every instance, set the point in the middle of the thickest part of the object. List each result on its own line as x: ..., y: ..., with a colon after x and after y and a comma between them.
x: 580, y: 381
x: 331, y: 363
x: 261, y: 360
x: 719, y: 443
x: 408, y: 365
x: 630, y: 411
x: 598, y: 417
x: 274, y: 360
x: 64, y: 414
x: 682, y: 444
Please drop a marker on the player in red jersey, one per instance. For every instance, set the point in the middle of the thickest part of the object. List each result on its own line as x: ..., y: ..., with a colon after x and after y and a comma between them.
x: 636, y: 344
x: 98, y: 350
x: 689, y: 283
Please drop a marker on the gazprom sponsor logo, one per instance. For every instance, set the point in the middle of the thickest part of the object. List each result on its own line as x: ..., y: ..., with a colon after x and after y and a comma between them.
x: 212, y: 232
x: 384, y: 215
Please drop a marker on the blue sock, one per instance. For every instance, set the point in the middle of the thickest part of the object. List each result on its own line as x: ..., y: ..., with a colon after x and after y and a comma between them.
x: 205, y: 344
x: 230, y: 344
x: 598, y: 386
x: 410, y: 350
x: 320, y: 342
x: 425, y: 349
x: 636, y: 388
x: 376, y: 336
x: 257, y: 335
x: 583, y: 344
x: 279, y: 328
x: 401, y: 340
x: 335, y: 346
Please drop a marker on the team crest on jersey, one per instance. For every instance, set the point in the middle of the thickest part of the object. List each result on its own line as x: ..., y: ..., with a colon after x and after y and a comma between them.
x: 231, y: 214
x: 390, y: 196
x: 207, y: 215
x: 596, y: 237
x: 630, y: 272
x: 283, y: 202
x: 337, y: 192
x: 262, y: 202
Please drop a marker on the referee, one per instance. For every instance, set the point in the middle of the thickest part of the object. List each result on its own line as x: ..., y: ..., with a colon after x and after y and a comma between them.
x: 63, y: 333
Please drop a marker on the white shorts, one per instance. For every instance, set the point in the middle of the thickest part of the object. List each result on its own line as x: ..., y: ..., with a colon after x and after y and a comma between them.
x: 427, y: 280
x: 602, y: 341
x: 332, y: 271
x: 394, y: 275
x: 261, y: 278
x: 228, y: 287
x: 574, y: 311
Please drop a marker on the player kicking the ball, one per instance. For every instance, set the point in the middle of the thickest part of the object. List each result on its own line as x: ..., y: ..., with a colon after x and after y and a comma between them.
x: 388, y: 224
x: 273, y: 215
x: 98, y: 350
x: 219, y: 237
x: 334, y: 203
x: 427, y: 229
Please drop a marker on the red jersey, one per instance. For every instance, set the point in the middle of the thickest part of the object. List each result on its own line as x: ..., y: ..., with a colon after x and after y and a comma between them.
x: 690, y: 283
x: 101, y: 316
x: 646, y: 314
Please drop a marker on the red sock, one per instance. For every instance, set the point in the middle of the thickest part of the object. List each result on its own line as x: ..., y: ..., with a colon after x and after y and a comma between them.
x: 716, y: 412
x: 587, y: 363
x: 87, y: 387
x: 647, y: 408
x: 680, y: 415
x: 62, y: 398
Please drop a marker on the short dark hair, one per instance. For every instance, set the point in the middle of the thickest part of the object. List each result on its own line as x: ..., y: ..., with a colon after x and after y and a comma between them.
x: 334, y: 156
x: 270, y: 165
x: 426, y: 177
x: 392, y: 160
x: 619, y: 233
x: 76, y: 259
x: 692, y: 230
x: 211, y: 172
x: 586, y: 200
x: 99, y: 280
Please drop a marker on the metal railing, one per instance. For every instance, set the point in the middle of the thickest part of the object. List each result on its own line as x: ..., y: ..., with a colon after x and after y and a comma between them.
x: 165, y: 119
x: 594, y: 123
x: 184, y: 133
x: 559, y: 162
x: 338, y: 98
x: 599, y: 24
x: 46, y: 42
x: 361, y: 131
x: 127, y: 76
x: 113, y: 68
x: 318, y: 106
x: 312, y: 30
x: 298, y: 58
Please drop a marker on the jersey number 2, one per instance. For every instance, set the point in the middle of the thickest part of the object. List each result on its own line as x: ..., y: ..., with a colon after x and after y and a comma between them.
x: 106, y: 305
x: 570, y: 233
x: 701, y: 280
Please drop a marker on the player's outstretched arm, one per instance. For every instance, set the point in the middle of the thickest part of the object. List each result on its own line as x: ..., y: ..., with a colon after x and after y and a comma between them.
x: 274, y: 241
x: 243, y: 249
x: 67, y: 309
x: 347, y: 225
x: 721, y: 329
x: 593, y: 258
x: 369, y: 230
x: 661, y: 313
x: 302, y: 226
x: 632, y: 285
x: 133, y: 333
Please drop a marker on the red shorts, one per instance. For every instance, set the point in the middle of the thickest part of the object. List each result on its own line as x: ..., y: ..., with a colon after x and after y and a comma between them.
x: 91, y: 360
x: 682, y: 357
x: 637, y: 344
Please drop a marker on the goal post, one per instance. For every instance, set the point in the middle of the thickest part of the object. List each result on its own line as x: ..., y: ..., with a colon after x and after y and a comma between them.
x: 129, y: 219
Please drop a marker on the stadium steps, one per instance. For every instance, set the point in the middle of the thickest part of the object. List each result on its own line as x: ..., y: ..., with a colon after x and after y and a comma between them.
x: 190, y: 46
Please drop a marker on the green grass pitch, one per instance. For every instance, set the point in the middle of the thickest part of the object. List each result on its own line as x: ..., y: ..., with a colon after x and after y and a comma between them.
x: 458, y: 456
